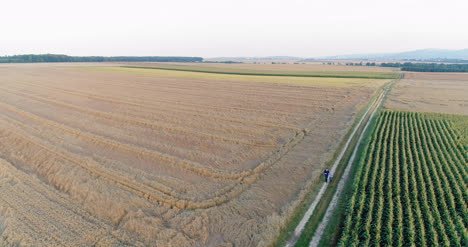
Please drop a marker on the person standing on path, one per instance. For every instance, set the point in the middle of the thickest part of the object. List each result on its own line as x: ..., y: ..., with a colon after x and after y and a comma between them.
x: 326, y: 172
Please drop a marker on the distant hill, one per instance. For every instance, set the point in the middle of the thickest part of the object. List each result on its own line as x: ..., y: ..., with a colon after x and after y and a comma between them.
x: 258, y: 58
x: 434, y: 55
x: 424, y: 54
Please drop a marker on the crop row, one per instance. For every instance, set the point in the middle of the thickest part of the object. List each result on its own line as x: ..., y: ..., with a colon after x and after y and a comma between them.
x: 411, y: 185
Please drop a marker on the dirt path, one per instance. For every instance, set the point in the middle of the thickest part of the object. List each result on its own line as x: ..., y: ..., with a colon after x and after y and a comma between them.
x: 318, y: 233
x: 333, y: 203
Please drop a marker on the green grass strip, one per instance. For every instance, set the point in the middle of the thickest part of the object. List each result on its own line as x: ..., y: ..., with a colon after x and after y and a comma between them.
x: 374, y: 75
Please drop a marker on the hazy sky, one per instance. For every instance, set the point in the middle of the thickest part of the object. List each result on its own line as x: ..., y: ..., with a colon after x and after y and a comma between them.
x: 210, y: 28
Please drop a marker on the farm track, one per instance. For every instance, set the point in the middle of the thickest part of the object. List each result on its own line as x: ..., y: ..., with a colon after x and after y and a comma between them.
x: 334, y: 201
x: 369, y: 115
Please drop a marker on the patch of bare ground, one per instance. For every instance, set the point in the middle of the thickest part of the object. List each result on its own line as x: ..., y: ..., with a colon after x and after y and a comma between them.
x: 431, y: 92
x: 102, y: 158
x: 437, y: 76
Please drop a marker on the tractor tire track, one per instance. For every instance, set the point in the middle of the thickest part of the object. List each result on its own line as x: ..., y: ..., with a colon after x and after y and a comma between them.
x: 162, y: 195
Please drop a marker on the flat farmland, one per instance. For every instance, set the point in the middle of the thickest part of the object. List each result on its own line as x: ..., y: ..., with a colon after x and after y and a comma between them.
x: 431, y: 92
x: 119, y: 156
x: 293, y: 70
x: 306, y: 67
x: 411, y: 184
x: 414, y: 158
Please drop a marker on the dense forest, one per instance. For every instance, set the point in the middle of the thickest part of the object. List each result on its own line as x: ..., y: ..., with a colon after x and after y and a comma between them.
x: 56, y: 58
x: 428, y: 67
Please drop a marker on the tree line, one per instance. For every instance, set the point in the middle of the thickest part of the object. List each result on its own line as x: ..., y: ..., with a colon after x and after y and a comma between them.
x: 58, y: 58
x: 361, y: 64
x: 428, y: 67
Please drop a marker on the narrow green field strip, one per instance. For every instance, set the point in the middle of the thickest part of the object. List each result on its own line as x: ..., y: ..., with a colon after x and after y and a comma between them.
x: 327, y: 74
x: 358, y: 199
x: 287, y: 80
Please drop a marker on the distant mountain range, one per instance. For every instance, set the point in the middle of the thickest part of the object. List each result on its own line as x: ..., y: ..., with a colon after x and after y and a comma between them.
x: 424, y: 54
x: 258, y: 58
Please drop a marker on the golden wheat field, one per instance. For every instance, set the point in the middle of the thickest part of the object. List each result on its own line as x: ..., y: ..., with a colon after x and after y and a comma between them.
x: 121, y: 157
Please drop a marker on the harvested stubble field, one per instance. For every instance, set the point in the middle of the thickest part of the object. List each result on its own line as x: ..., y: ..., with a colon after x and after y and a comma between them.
x: 431, y: 92
x: 110, y: 156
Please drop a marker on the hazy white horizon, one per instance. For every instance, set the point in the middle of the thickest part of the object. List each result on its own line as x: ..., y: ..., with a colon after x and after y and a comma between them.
x: 210, y: 28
